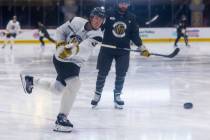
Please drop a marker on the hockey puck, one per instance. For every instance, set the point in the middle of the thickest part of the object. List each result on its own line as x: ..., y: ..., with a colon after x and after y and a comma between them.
x: 188, y: 105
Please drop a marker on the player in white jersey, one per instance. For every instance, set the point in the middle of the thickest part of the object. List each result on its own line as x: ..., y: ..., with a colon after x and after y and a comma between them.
x: 75, y: 41
x: 13, y: 28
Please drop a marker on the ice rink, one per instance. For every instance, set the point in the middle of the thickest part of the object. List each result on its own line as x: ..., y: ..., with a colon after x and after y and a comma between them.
x: 155, y: 90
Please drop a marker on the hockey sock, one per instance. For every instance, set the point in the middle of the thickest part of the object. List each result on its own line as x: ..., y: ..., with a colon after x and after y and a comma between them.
x: 69, y: 95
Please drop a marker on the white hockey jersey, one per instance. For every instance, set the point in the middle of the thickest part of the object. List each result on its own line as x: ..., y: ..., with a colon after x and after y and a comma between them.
x: 88, y: 40
x: 13, y: 27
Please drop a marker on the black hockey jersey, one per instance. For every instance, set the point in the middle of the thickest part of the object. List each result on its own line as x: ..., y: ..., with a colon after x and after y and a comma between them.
x: 42, y: 29
x: 182, y: 26
x: 120, y: 29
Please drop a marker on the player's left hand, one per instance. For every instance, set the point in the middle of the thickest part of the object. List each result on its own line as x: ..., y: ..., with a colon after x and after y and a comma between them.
x: 143, y: 51
x: 69, y: 50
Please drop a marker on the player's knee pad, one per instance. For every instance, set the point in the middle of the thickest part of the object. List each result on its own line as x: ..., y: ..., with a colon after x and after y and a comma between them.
x: 73, y: 84
x: 121, y: 72
x: 103, y: 72
x: 57, y: 88
x: 102, y: 76
x: 100, y: 80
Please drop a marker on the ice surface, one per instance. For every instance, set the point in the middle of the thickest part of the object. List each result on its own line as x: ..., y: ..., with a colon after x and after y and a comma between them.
x: 155, y: 90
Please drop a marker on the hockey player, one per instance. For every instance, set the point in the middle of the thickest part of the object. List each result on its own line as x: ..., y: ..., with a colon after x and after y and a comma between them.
x: 75, y: 41
x: 182, y: 31
x: 43, y: 33
x: 120, y: 28
x: 13, y: 28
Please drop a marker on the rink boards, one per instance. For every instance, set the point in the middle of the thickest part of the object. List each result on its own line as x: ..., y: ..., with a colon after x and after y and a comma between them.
x: 148, y: 35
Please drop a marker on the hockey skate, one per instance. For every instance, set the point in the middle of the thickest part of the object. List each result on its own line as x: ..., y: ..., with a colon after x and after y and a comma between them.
x: 42, y: 48
x: 118, y: 102
x: 188, y: 46
x: 3, y: 46
x: 62, y: 124
x: 27, y: 83
x: 95, y: 100
x: 176, y: 46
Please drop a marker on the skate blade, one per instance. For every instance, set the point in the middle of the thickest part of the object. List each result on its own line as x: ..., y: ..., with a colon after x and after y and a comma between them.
x: 117, y: 106
x: 23, y: 82
x: 94, y: 106
x: 64, y: 129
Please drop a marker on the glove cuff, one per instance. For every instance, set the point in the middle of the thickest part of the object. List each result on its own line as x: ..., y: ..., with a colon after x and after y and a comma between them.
x: 142, y: 48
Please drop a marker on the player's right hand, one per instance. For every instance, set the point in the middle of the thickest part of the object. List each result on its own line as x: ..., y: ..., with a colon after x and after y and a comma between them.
x: 60, y: 43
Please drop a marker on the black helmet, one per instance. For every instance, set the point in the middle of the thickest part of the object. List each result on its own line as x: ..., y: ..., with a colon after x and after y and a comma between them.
x: 98, y: 11
x: 123, y: 1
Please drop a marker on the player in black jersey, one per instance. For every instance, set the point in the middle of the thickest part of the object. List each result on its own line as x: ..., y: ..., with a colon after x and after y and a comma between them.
x: 119, y: 29
x: 182, y: 31
x: 43, y: 33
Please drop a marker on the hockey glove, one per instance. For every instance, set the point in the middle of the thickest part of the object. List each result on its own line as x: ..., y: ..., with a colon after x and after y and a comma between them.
x: 143, y: 51
x: 69, y: 50
x: 60, y: 43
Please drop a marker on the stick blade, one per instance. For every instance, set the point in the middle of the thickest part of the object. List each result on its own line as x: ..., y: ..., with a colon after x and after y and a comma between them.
x: 174, y: 53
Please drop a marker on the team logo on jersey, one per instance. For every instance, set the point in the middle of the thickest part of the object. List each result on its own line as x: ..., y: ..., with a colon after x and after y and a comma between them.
x: 13, y: 27
x: 119, y: 29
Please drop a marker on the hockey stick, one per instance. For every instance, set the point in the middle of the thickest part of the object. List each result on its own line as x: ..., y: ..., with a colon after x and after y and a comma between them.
x: 171, y: 55
x: 152, y: 20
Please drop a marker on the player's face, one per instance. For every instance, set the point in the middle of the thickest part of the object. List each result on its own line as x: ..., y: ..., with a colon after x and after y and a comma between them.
x: 123, y: 6
x: 14, y: 19
x: 96, y: 22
